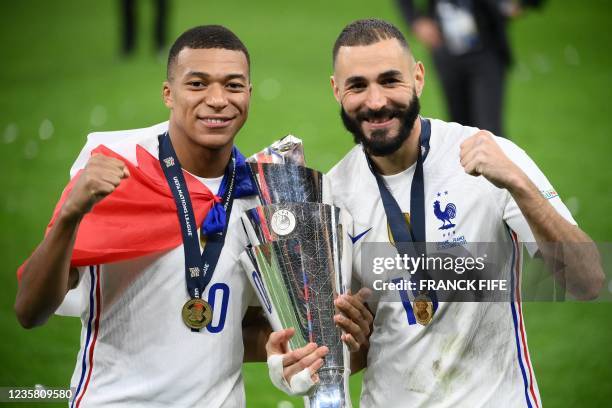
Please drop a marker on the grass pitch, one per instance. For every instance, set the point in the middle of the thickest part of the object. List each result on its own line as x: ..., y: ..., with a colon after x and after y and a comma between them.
x: 62, y: 78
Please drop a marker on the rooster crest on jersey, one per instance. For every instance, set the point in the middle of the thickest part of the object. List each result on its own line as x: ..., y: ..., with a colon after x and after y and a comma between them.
x: 450, y: 212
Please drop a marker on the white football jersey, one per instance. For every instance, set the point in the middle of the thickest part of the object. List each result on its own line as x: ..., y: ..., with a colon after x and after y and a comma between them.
x: 471, y: 354
x: 135, y: 349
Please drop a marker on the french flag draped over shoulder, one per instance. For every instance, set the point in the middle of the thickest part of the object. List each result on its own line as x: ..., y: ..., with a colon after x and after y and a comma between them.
x: 140, y: 216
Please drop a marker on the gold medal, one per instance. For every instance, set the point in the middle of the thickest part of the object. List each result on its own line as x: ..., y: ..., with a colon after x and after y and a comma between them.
x: 423, y: 309
x: 197, y: 313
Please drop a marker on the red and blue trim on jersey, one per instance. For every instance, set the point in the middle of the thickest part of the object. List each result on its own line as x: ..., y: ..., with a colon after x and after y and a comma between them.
x: 93, y: 326
x: 531, y: 396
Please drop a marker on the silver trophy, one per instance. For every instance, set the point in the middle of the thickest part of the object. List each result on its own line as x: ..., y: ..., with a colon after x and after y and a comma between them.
x: 299, y: 260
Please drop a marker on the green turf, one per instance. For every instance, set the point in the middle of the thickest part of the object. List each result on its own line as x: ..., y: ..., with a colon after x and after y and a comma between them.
x: 61, y: 64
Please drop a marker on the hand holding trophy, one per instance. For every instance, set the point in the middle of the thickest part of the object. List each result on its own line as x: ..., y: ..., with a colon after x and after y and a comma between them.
x: 299, y: 262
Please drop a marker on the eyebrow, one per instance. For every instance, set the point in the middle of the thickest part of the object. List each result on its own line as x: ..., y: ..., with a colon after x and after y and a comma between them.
x: 354, y: 79
x: 235, y: 76
x: 205, y: 75
x: 392, y: 73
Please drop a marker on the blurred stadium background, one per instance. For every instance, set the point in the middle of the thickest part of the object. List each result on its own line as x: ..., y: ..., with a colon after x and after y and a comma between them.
x: 62, y: 77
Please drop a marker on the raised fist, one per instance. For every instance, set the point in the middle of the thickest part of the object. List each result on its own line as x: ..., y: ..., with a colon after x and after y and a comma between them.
x: 100, y: 177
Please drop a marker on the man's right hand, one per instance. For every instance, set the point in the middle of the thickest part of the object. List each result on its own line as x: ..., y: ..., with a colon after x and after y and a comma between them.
x: 293, y: 372
x: 428, y: 32
x: 100, y: 177
x: 47, y: 275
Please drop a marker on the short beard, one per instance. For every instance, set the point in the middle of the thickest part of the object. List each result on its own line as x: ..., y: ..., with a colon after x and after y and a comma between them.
x: 378, y: 144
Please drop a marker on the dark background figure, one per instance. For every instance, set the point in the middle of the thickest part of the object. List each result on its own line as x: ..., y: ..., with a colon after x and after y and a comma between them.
x: 469, y: 44
x: 129, y: 17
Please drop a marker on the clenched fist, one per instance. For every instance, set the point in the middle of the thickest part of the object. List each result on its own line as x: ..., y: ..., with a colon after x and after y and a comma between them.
x: 480, y: 155
x: 100, y: 177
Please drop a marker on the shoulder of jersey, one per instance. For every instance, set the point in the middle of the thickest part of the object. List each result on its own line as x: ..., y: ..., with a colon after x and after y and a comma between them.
x: 509, y: 147
x: 347, y: 175
x: 122, y: 142
x: 347, y: 163
x: 446, y: 137
x: 446, y: 134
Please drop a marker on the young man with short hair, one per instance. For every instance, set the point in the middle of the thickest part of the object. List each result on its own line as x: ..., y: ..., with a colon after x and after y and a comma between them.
x: 162, y: 320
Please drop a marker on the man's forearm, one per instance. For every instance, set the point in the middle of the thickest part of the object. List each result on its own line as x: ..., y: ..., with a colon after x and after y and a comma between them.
x: 46, y: 276
x: 571, y: 253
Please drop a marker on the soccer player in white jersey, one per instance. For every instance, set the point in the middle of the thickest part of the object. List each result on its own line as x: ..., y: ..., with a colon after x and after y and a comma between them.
x: 135, y: 348
x: 480, y: 188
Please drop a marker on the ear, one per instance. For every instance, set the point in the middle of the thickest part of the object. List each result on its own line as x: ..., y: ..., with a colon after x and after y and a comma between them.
x: 167, y: 94
x: 335, y: 88
x: 250, y: 89
x: 419, y: 77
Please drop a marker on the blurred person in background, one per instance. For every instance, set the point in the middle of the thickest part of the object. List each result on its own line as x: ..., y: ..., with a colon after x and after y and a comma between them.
x: 129, y: 21
x: 471, y: 51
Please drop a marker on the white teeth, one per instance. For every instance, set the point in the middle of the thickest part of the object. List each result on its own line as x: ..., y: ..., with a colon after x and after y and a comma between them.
x: 212, y: 120
x: 379, y: 120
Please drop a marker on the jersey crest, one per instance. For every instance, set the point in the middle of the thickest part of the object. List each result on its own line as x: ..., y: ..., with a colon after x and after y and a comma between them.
x: 446, y: 212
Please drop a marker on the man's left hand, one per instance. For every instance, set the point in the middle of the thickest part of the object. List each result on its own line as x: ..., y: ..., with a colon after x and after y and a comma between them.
x: 480, y: 155
x: 355, y: 319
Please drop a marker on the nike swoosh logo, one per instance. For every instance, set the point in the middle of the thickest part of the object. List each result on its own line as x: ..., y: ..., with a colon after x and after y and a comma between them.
x: 358, y: 237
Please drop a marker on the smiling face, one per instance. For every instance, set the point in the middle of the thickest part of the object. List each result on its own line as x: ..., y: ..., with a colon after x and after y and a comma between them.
x: 208, y: 93
x: 378, y: 86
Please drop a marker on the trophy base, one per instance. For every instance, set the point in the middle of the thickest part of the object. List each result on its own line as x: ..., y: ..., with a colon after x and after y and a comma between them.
x: 330, y: 394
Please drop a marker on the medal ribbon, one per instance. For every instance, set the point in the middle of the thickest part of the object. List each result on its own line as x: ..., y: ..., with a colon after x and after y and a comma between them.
x: 404, y: 236
x: 199, y: 267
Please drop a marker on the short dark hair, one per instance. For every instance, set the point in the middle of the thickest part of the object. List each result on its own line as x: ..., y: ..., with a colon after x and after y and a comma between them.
x: 205, y: 37
x: 366, y: 32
